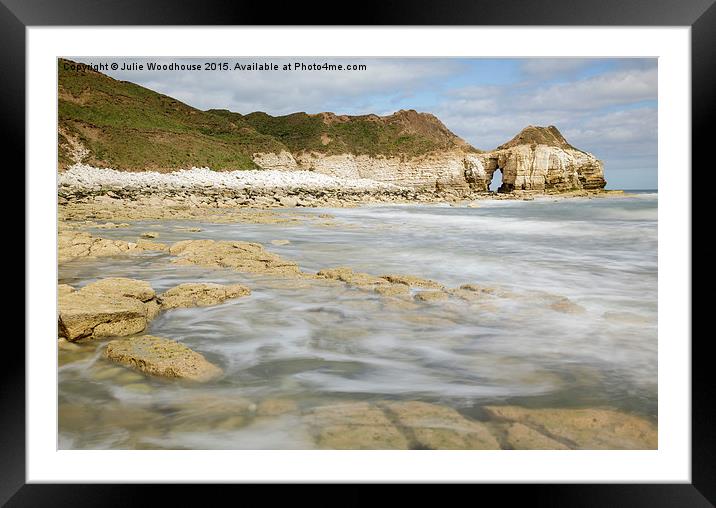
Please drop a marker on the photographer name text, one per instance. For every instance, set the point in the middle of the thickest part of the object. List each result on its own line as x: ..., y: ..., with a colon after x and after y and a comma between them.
x: 227, y: 66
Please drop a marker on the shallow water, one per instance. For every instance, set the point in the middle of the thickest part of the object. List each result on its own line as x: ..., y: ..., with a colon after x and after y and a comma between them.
x: 314, y: 342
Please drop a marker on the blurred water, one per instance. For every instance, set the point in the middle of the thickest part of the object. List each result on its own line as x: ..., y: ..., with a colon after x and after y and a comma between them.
x: 320, y: 342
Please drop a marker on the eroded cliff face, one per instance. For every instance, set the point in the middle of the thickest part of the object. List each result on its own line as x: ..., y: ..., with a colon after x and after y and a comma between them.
x: 537, y: 159
x: 446, y: 169
x: 538, y: 168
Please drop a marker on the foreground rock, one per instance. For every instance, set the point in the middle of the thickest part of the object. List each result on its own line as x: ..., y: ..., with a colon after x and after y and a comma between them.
x: 584, y: 429
x: 109, y: 307
x: 200, y: 295
x: 121, y: 286
x: 161, y: 357
x: 64, y: 289
x: 355, y: 426
x: 436, y: 427
x: 521, y: 437
x: 239, y: 256
x: 397, y: 425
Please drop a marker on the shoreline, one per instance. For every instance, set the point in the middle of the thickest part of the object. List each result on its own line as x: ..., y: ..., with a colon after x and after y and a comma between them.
x: 202, y: 188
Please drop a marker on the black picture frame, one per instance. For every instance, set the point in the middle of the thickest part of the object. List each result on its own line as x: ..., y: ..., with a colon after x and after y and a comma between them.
x: 700, y: 15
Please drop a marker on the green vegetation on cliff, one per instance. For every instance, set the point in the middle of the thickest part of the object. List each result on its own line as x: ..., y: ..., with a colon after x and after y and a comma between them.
x: 406, y: 133
x: 126, y: 126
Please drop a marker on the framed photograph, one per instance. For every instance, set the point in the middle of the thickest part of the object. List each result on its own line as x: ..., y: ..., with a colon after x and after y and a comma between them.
x: 431, y: 250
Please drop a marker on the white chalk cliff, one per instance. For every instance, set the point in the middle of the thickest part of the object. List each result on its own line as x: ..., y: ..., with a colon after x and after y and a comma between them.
x: 537, y: 159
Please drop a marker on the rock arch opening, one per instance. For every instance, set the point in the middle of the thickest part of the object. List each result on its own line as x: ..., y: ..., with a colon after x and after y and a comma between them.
x: 496, y: 181
x: 499, y: 180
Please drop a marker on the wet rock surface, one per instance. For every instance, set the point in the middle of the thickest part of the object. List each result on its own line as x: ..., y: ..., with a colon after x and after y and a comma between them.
x: 435, y: 427
x: 158, y: 356
x: 412, y: 281
x: 200, y: 294
x: 585, y: 429
x: 397, y: 425
x: 106, y: 308
x: 73, y: 244
x: 239, y: 256
x: 354, y: 426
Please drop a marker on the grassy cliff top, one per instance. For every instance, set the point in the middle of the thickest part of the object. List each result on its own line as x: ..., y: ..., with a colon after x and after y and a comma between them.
x: 127, y: 126
x: 535, y: 135
x: 406, y: 133
x: 130, y: 127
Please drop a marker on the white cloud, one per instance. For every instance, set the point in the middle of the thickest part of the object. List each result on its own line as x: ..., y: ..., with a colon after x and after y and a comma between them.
x: 279, y: 92
x: 608, y: 89
x: 553, y: 67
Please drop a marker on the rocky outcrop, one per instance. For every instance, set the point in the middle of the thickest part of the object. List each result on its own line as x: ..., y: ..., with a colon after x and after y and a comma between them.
x: 537, y: 159
x: 73, y: 244
x: 161, y: 357
x: 200, y: 294
x: 106, y: 308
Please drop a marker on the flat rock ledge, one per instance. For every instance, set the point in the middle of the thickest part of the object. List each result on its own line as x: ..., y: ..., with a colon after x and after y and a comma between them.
x: 200, y: 295
x: 239, y: 256
x: 75, y: 244
x: 397, y: 425
x: 583, y: 429
x: 106, y: 308
x: 422, y: 425
x: 157, y: 356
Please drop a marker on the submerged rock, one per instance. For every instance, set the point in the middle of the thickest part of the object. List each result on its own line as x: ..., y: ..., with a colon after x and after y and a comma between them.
x: 567, y: 306
x: 431, y: 296
x: 161, y: 357
x: 586, y: 429
x: 393, y: 290
x: 521, y: 437
x: 276, y: 407
x: 438, y: 427
x: 149, y: 245
x: 150, y: 234
x: 200, y: 294
x: 627, y: 317
x: 475, y: 288
x: 239, y: 256
x: 354, y: 426
x: 397, y: 425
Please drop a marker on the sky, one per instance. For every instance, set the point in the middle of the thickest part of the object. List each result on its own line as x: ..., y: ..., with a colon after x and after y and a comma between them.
x: 607, y: 107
